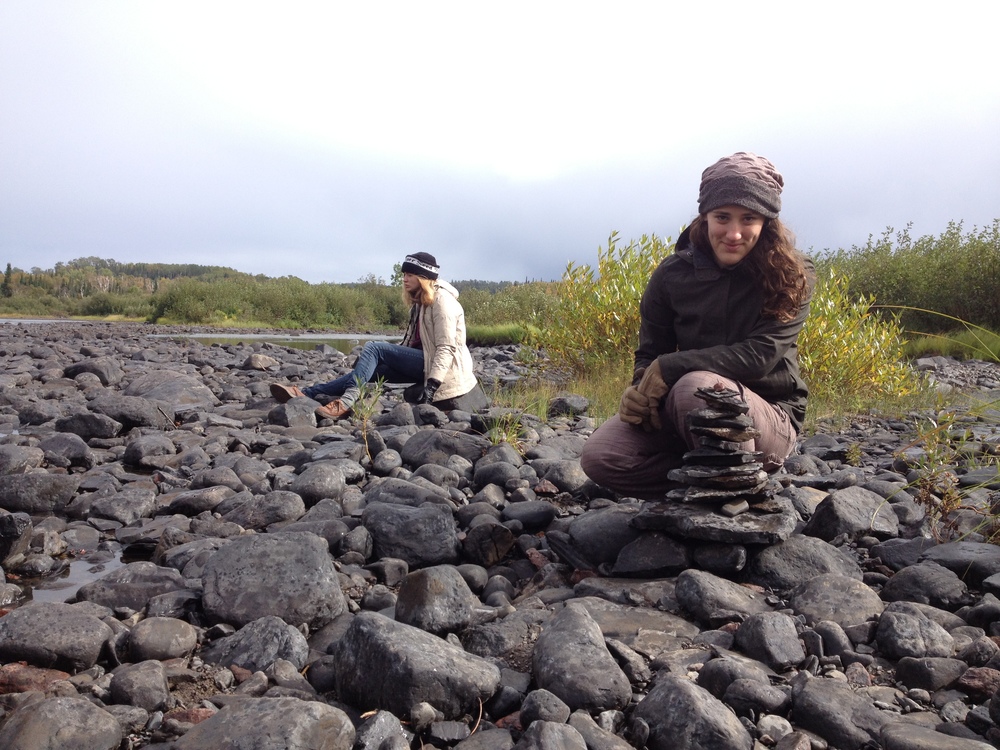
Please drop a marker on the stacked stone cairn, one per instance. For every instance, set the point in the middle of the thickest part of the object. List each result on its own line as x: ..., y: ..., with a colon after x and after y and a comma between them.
x: 720, y: 471
x: 727, y: 500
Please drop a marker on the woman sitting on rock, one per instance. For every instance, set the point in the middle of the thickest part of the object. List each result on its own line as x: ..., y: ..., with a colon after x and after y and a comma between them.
x: 726, y: 307
x: 433, y: 353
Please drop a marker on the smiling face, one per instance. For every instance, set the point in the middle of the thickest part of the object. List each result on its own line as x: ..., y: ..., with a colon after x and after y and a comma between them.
x: 733, y: 232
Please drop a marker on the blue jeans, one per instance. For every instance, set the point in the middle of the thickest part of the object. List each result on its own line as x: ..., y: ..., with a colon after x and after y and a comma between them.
x: 379, y: 359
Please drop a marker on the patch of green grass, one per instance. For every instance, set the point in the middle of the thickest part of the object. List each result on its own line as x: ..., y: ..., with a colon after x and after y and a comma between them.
x: 497, y: 335
x: 961, y: 344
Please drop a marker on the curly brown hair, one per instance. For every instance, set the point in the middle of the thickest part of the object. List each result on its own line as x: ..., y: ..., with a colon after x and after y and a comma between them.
x: 774, y: 262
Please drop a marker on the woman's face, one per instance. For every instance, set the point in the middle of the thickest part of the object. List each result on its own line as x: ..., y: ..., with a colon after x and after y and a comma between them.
x: 733, y: 232
x: 411, y: 282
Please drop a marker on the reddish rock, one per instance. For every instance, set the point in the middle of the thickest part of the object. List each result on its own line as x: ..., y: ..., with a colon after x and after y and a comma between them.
x: 18, y: 677
x: 980, y: 683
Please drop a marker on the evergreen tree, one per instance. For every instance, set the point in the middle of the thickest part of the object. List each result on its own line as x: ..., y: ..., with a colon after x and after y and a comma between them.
x: 5, y: 288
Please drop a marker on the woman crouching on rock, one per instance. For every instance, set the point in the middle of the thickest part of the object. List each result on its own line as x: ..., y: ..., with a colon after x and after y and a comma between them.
x: 433, y: 354
x: 726, y: 307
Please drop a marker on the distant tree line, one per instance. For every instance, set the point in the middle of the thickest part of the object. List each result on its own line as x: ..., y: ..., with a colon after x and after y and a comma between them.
x: 215, y: 295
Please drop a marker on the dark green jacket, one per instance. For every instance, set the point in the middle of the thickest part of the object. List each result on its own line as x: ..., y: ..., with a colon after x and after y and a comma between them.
x: 699, y: 316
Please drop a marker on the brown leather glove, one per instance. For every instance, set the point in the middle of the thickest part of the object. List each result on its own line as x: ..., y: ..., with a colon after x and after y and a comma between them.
x: 634, y: 407
x: 654, y: 388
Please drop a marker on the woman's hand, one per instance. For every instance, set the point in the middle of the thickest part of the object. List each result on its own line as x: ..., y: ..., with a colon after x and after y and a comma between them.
x: 653, y: 387
x: 634, y: 407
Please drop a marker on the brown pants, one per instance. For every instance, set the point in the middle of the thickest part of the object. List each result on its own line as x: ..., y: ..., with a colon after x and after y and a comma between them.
x: 635, y: 463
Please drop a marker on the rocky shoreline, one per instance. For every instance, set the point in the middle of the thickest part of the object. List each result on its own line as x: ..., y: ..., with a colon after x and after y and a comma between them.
x: 398, y: 580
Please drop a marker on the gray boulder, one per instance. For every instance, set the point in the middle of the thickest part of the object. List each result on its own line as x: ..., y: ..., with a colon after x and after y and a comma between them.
x: 385, y: 664
x: 835, y: 712
x: 106, y: 368
x: 836, y: 598
x: 438, y: 446
x: 291, y: 576
x: 549, y: 735
x: 714, y: 600
x: 143, y: 684
x: 421, y: 536
x: 902, y: 634
x: 290, y: 722
x: 771, y: 637
x: 134, y: 411
x: 571, y: 660
x: 927, y: 583
x: 51, y: 634
x: 132, y: 585
x: 438, y: 600
x: 59, y: 723
x: 257, y: 645
x: 37, y: 494
x: 682, y: 716
x: 783, y: 566
x: 87, y: 425
x: 853, y: 511
x: 183, y: 393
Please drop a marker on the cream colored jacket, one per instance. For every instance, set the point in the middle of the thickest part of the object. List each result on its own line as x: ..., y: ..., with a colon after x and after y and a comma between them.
x: 442, y: 336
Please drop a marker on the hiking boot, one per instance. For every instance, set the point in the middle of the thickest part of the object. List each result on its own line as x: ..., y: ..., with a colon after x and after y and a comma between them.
x: 333, y: 410
x: 285, y: 393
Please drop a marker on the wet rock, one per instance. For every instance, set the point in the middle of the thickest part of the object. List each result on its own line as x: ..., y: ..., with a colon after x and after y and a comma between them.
x: 132, y: 585
x: 15, y: 537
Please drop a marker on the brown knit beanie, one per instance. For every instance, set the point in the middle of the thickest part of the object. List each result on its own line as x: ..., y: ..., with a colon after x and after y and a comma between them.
x: 742, y: 179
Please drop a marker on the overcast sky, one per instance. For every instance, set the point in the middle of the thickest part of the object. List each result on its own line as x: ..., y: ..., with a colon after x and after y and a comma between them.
x: 326, y: 140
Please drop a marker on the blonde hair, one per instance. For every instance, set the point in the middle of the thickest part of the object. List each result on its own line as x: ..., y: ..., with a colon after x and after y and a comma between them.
x: 422, y: 296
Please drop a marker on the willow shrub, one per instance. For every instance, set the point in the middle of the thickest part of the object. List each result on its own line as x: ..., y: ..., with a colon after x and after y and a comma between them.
x: 515, y: 304
x: 932, y: 279
x: 849, y: 354
x: 596, y: 320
